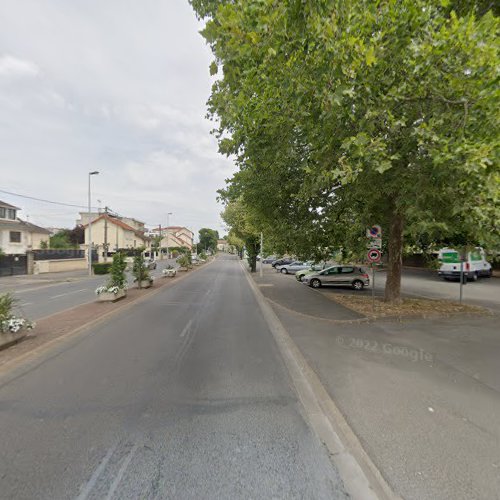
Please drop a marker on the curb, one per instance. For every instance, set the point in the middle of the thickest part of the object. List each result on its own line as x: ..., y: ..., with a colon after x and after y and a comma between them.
x: 32, y: 359
x: 362, y: 479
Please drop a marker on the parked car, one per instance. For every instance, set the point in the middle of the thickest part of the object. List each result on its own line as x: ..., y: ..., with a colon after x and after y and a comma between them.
x: 475, y: 264
x: 281, y: 262
x: 293, y: 267
x: 353, y: 276
x: 269, y: 260
x: 299, y: 275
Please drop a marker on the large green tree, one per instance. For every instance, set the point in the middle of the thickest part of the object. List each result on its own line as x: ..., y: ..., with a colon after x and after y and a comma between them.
x: 207, y: 239
x: 346, y: 114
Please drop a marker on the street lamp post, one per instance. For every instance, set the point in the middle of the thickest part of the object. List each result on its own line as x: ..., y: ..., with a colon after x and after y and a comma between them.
x: 95, y: 172
x: 168, y: 224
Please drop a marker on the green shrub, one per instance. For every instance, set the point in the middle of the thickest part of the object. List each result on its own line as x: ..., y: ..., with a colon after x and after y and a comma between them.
x: 7, y: 302
x: 118, y: 267
x: 102, y: 267
x: 139, y: 269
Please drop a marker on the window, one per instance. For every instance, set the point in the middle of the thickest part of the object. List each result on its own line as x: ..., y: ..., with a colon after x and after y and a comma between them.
x: 334, y: 270
x: 346, y: 270
x: 11, y: 213
x: 15, y: 236
x: 2, y: 213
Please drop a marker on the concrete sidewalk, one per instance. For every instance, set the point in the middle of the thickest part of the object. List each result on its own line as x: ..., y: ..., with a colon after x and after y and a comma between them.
x: 423, y: 396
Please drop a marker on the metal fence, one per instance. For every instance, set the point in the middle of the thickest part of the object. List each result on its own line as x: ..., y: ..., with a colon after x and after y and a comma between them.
x: 61, y: 253
x: 12, y: 265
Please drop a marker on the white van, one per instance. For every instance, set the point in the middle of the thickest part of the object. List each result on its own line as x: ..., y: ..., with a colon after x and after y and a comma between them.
x: 475, y: 264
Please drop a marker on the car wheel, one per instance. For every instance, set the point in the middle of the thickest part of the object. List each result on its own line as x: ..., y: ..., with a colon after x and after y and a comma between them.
x: 358, y: 285
x: 301, y: 277
x: 284, y: 271
x: 475, y: 276
x: 315, y: 283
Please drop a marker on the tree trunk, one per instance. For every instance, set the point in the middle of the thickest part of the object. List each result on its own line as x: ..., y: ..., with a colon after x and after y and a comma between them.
x: 253, y: 263
x: 395, y: 261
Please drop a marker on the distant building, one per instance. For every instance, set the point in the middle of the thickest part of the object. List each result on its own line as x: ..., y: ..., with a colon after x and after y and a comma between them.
x: 116, y: 233
x: 222, y: 246
x: 18, y: 236
x: 178, y: 236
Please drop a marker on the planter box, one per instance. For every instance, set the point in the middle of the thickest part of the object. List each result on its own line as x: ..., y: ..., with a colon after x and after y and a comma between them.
x: 170, y: 273
x: 145, y: 284
x: 182, y: 269
x: 7, y: 339
x: 111, y: 297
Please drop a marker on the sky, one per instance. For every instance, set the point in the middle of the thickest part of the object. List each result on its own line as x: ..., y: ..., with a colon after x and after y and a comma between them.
x: 117, y: 86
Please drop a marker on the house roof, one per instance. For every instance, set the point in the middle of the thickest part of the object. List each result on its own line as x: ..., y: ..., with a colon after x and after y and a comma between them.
x: 119, y: 223
x: 20, y: 225
x: 8, y: 205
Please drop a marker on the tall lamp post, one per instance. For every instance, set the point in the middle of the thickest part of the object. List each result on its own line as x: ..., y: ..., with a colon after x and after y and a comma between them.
x: 95, y: 172
x: 168, y: 224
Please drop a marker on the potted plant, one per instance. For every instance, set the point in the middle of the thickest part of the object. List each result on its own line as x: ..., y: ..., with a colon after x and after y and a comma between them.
x: 169, y: 271
x: 184, y: 262
x: 141, y: 272
x: 12, y: 328
x: 116, y: 288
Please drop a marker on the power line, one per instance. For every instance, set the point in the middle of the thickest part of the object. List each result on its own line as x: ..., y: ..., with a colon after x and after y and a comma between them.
x: 45, y: 201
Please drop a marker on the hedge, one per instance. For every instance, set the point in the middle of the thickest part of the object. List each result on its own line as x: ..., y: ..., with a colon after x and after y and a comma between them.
x: 101, y: 268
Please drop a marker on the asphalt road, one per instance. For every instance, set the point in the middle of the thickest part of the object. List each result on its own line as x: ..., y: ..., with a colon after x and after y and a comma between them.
x: 41, y: 296
x: 182, y: 396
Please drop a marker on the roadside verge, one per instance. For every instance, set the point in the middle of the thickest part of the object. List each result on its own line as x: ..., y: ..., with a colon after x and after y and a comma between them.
x: 361, y: 477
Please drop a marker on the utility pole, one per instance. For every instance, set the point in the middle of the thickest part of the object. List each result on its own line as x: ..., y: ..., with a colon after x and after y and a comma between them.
x: 106, y: 234
x: 159, y: 243
x: 261, y: 254
x: 168, y: 224
x: 95, y: 172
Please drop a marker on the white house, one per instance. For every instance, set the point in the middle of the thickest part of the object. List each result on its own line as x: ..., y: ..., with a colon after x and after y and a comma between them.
x: 17, y: 236
x: 114, y: 232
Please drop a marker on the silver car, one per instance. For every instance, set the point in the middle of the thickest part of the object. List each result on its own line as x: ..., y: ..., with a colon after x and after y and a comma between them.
x: 354, y: 276
x: 293, y: 267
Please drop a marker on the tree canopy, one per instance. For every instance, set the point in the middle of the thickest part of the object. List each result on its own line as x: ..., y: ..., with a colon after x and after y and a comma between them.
x: 346, y: 114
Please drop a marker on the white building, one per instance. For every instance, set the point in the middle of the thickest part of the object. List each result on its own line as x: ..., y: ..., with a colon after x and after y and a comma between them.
x: 17, y: 236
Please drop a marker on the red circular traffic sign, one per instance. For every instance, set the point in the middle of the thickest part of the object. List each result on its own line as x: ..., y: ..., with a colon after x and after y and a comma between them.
x: 374, y: 255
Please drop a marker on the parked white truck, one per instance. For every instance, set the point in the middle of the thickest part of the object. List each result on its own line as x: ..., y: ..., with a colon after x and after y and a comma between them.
x: 475, y: 264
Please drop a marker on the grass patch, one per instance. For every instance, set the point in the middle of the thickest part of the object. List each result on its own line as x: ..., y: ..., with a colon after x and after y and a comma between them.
x: 408, y: 308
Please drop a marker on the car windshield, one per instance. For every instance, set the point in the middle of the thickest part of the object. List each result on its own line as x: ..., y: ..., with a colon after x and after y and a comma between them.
x: 163, y: 165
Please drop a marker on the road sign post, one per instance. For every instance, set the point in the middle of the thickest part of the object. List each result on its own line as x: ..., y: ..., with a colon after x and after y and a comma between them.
x: 374, y: 255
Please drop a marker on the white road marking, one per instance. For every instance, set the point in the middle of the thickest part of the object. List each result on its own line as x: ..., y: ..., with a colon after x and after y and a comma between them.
x: 95, y: 476
x: 26, y: 304
x: 186, y: 328
x: 68, y: 293
x: 121, y: 472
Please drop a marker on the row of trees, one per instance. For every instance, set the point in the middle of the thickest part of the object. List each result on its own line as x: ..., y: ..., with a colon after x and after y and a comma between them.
x: 341, y: 115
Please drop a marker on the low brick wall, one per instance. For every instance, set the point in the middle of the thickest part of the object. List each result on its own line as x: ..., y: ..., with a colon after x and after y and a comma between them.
x: 59, y: 266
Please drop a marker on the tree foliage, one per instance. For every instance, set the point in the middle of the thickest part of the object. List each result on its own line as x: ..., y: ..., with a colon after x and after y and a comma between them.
x: 345, y: 114
x: 208, y: 239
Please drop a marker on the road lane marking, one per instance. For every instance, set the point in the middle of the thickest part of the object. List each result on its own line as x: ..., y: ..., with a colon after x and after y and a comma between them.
x: 121, y: 472
x: 95, y: 476
x: 186, y: 328
x: 68, y: 293
x: 26, y: 304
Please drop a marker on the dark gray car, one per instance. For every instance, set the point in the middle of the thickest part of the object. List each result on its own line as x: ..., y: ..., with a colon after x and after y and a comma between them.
x: 354, y: 276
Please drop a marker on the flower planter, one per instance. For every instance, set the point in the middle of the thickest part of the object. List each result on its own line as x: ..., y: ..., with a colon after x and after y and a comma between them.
x: 169, y: 273
x: 182, y: 269
x: 145, y: 284
x: 111, y: 297
x: 7, y: 339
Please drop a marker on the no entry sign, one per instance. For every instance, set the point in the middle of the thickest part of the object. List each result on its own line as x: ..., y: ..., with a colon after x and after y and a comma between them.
x: 374, y: 255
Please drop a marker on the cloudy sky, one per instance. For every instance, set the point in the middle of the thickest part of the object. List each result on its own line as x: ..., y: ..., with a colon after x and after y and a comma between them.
x: 118, y: 86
